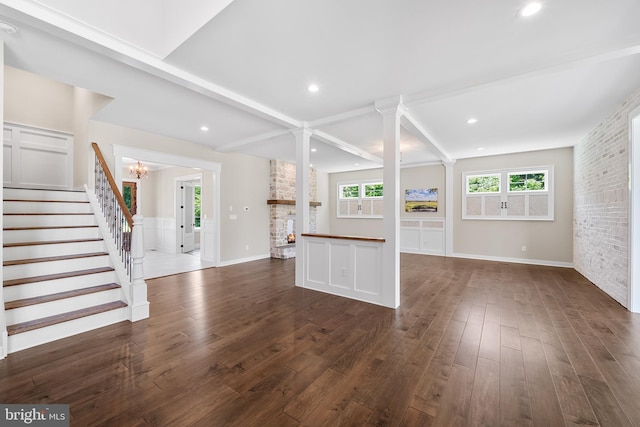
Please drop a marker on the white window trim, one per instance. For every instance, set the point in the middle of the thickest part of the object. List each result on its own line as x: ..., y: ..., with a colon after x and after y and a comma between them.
x: 505, y: 193
x: 360, y: 199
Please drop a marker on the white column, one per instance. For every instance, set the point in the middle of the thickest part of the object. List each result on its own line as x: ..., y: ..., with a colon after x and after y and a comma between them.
x: 391, y: 113
x: 448, y: 208
x: 138, y: 303
x: 303, y: 138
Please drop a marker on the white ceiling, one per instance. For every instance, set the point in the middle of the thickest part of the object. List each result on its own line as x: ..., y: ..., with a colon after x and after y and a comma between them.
x: 242, y: 68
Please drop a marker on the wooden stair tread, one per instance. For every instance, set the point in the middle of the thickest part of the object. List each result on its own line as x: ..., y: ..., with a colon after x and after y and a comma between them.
x: 50, y: 242
x: 53, y: 258
x: 48, y: 227
x: 64, y: 317
x: 34, y: 279
x: 58, y: 296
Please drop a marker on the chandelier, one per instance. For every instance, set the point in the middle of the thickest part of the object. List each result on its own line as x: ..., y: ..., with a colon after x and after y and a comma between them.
x: 138, y: 171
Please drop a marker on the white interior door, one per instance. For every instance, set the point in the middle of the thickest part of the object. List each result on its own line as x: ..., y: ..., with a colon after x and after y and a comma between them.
x: 186, y: 216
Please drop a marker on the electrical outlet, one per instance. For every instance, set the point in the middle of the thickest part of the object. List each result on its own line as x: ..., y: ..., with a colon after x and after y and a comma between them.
x: 246, y: 248
x: 343, y: 272
x: 524, y: 249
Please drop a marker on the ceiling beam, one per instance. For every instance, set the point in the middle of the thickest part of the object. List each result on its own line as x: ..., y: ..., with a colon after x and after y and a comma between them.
x: 232, y: 146
x: 408, y: 122
x: 118, y: 50
x: 342, y: 116
x: 345, y: 146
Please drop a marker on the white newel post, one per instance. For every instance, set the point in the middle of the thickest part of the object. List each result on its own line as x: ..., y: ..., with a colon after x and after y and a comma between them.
x: 139, y: 306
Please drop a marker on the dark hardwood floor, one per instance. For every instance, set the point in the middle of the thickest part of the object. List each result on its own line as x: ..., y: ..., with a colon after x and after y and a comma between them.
x: 473, y: 343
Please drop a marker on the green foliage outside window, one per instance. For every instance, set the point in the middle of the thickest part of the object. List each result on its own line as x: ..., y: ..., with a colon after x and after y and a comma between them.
x: 126, y: 195
x: 373, y: 190
x: 196, y: 204
x: 483, y: 184
x: 349, y: 191
x: 527, y: 181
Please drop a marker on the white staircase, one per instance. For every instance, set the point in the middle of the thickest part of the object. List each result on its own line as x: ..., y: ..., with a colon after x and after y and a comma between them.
x: 58, y: 279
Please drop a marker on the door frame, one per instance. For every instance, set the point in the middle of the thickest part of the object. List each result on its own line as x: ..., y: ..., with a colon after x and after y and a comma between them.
x: 178, y: 181
x: 120, y: 151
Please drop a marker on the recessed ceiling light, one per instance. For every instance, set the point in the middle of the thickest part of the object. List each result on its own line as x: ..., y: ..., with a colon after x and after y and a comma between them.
x: 472, y: 121
x: 313, y: 150
x: 313, y: 88
x: 480, y: 148
x: 310, y: 165
x: 356, y: 164
x: 531, y: 9
x: 204, y: 128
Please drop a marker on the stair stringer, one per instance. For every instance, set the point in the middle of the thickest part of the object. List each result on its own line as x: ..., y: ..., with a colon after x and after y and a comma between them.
x: 135, y: 312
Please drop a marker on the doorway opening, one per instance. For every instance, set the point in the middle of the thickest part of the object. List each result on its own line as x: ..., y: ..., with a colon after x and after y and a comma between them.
x: 209, y: 172
x: 188, y: 197
x: 130, y: 195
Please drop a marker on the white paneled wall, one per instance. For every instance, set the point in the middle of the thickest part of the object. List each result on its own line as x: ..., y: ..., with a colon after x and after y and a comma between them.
x: 345, y: 267
x: 160, y: 234
x: 422, y: 236
x: 37, y: 158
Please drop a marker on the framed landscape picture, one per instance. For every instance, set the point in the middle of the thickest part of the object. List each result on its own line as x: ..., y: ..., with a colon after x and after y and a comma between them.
x: 422, y: 200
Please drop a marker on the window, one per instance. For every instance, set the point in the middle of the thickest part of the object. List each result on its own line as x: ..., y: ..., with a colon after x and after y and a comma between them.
x: 522, y: 194
x: 360, y: 199
x: 196, y: 205
x: 373, y: 190
x: 531, y: 181
x: 483, y: 183
x: 349, y: 191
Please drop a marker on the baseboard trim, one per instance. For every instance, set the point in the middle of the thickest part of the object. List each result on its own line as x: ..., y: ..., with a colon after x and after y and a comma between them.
x: 516, y: 260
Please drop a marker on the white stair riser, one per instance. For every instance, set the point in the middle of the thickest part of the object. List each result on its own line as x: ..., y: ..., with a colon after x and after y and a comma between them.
x: 50, y: 250
x: 46, y: 207
x: 66, y: 329
x: 48, y: 220
x: 47, y: 235
x: 24, y: 194
x: 11, y: 272
x: 38, y: 289
x: 38, y: 311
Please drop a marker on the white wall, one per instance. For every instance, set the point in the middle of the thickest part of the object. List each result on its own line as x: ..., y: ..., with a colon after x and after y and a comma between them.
x: 323, y: 212
x: 363, y: 227
x: 410, y: 178
x: 601, y: 212
x: 546, y: 241
x: 36, y: 101
x: 549, y: 242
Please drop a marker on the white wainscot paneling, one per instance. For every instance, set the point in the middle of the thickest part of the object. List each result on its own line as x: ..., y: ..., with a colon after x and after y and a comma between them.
x: 422, y: 236
x: 37, y: 158
x: 160, y: 234
x: 344, y: 267
x: 207, y: 240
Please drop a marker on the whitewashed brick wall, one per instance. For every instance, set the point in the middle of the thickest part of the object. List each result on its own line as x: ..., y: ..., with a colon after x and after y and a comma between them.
x: 601, y: 203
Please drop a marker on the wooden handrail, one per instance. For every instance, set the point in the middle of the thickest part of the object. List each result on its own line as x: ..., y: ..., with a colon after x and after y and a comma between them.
x: 112, y: 184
